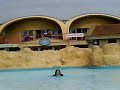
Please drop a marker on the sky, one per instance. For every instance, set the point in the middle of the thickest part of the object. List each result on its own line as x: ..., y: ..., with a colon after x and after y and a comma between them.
x: 60, y: 9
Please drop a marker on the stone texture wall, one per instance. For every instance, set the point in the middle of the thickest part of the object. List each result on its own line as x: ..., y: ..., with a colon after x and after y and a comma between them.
x: 109, y: 54
x: 69, y: 56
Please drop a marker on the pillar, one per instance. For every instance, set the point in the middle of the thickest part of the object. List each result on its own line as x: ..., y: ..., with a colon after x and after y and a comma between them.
x: 34, y: 35
x: 7, y: 49
x: 53, y: 48
x: 39, y: 49
x: 102, y: 42
x: 90, y: 43
x: 118, y: 40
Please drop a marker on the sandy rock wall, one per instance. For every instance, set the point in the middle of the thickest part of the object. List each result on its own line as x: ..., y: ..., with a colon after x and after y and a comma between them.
x: 69, y: 56
x: 75, y: 56
x: 25, y: 58
x: 97, y: 56
x: 108, y: 55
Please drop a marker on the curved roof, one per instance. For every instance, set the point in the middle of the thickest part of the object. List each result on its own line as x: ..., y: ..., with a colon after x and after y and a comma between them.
x: 60, y: 23
x: 68, y: 23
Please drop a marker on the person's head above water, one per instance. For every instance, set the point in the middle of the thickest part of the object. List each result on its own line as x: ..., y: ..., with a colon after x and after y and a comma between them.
x: 58, y: 73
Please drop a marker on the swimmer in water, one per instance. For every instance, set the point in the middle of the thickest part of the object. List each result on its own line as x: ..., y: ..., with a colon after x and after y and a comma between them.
x: 58, y: 73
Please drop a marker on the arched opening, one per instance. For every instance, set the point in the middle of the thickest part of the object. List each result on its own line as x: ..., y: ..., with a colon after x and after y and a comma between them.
x: 85, y: 23
x: 29, y: 29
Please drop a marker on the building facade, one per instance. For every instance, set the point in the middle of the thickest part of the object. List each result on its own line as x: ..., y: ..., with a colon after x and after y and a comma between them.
x: 103, y: 34
x: 27, y: 31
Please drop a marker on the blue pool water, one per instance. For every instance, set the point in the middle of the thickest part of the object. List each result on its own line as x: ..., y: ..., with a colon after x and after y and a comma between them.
x: 75, y: 78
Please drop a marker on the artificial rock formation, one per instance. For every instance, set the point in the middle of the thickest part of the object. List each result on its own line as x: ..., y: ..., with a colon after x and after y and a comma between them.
x: 109, y: 54
x: 69, y: 56
x: 26, y: 58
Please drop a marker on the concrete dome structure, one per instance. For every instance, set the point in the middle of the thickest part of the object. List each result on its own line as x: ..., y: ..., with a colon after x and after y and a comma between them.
x: 90, y: 20
x: 34, y: 27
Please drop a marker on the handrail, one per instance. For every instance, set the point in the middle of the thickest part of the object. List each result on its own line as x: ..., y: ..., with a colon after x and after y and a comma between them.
x: 4, y: 39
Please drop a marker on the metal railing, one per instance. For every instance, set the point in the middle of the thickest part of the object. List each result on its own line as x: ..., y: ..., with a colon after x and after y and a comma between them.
x: 29, y: 38
x: 5, y: 40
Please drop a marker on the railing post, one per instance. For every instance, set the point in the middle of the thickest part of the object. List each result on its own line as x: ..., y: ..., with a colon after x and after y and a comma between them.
x: 34, y: 35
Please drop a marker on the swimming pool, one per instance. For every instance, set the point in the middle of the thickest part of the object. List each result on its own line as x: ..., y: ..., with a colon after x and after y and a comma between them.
x: 75, y: 78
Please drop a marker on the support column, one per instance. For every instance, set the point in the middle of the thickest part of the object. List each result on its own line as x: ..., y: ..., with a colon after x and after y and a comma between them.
x: 34, y: 35
x: 39, y: 49
x: 118, y: 40
x: 7, y: 49
x: 53, y: 48
x: 90, y: 43
x: 102, y: 42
